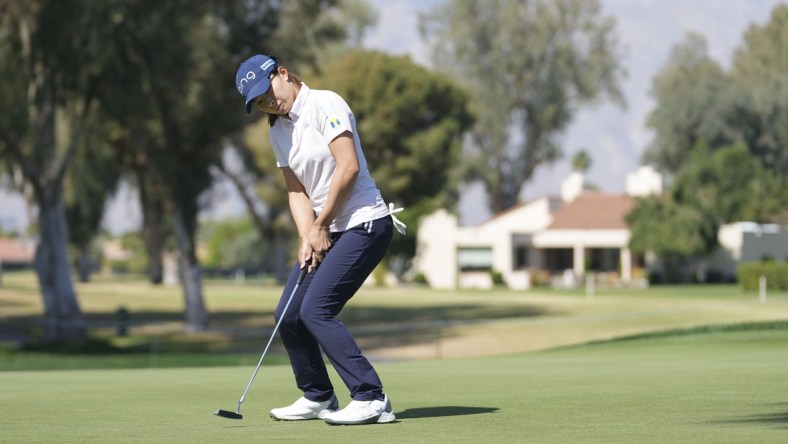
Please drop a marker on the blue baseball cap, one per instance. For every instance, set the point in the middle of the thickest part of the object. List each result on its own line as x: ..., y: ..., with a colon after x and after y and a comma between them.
x: 252, y: 77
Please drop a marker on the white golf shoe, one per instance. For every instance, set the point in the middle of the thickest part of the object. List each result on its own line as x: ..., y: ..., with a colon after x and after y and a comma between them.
x: 362, y: 412
x: 305, y: 409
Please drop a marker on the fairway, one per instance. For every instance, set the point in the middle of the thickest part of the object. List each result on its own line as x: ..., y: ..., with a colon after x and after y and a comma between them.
x: 722, y: 386
x: 389, y: 323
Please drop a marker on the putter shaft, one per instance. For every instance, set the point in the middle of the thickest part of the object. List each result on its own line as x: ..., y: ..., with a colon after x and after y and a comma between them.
x: 300, y: 279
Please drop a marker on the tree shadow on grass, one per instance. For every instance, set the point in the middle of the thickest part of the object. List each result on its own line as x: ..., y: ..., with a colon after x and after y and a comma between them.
x: 361, y: 316
x: 441, y: 411
x: 778, y: 419
x: 236, y: 331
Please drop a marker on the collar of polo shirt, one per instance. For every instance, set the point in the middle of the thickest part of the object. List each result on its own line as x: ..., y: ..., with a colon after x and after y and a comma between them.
x: 298, y: 104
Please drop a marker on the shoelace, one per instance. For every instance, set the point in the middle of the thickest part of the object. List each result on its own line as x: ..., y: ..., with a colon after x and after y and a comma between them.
x: 397, y: 223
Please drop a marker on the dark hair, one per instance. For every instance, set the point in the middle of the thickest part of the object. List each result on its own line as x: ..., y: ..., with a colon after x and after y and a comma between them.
x: 272, y: 117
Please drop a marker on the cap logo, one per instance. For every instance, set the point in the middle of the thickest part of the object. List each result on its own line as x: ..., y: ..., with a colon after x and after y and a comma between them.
x: 267, y: 65
x: 244, y: 80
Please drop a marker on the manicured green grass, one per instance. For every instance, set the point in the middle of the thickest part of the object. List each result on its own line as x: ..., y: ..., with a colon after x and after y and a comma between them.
x: 724, y: 385
x: 391, y: 323
x: 670, y: 364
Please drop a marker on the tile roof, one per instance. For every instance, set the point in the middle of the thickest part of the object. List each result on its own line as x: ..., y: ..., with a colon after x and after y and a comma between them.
x: 554, y: 204
x: 594, y: 211
x: 15, y: 251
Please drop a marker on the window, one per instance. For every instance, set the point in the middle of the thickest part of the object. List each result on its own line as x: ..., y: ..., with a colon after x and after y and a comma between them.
x: 520, y: 257
x: 474, y: 259
x: 559, y: 259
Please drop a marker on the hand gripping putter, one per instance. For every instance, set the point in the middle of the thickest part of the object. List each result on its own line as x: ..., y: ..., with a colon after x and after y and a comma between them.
x: 237, y: 414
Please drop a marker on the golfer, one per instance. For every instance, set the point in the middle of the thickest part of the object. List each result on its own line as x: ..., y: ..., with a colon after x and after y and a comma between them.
x: 344, y: 228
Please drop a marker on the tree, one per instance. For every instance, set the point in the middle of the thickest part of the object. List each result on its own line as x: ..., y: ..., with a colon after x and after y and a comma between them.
x: 411, y: 123
x: 581, y: 161
x: 671, y: 230
x: 759, y: 67
x: 92, y: 178
x: 154, y: 70
x: 304, y: 33
x: 694, y: 98
x: 716, y: 187
x: 260, y: 184
x: 233, y: 244
x: 52, y: 66
x: 528, y: 65
x: 698, y: 102
x: 360, y: 16
x: 183, y: 54
x: 726, y: 185
x: 154, y: 224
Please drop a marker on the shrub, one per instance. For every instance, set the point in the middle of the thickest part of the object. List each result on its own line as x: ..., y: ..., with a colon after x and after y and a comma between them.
x: 776, y: 274
x: 419, y: 278
x: 497, y: 278
x: 540, y: 278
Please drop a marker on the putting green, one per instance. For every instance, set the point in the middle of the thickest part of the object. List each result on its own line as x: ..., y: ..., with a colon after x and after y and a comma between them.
x: 710, y: 387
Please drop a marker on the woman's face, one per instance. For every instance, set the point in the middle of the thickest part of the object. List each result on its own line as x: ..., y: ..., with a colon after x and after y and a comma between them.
x: 280, y: 96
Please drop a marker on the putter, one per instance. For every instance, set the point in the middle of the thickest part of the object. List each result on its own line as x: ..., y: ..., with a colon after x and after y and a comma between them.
x: 237, y: 413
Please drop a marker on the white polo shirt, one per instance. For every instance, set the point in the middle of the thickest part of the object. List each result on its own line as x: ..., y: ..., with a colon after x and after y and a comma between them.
x: 300, y: 141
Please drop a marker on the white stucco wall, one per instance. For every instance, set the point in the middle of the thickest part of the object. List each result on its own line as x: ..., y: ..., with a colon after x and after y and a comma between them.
x: 645, y: 181
x: 572, y: 186
x: 436, y: 251
x: 584, y: 238
x: 440, y: 237
x: 498, y: 233
x: 730, y: 239
x: 527, y: 218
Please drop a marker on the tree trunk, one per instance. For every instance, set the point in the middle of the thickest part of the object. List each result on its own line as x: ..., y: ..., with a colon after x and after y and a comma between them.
x: 190, y: 275
x: 63, y: 316
x: 85, y: 263
x: 496, y: 197
x: 152, y: 226
x: 281, y: 265
x: 153, y: 232
x: 265, y: 228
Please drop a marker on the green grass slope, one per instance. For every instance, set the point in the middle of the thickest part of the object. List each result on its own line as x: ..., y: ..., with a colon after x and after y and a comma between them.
x: 725, y: 385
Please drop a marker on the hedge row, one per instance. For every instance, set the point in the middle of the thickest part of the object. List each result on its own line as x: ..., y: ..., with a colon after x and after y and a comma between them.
x: 776, y: 274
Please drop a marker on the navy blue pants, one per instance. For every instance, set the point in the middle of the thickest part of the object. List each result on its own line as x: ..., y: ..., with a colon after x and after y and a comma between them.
x: 311, y: 323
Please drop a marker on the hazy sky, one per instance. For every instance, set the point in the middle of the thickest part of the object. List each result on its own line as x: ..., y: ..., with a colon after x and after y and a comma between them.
x: 616, y: 138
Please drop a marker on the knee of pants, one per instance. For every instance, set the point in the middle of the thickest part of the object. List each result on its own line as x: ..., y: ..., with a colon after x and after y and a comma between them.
x: 313, y: 317
x: 289, y: 320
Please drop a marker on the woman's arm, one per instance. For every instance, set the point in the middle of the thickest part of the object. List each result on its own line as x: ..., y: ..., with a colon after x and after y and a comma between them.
x: 301, y: 209
x: 342, y: 181
x: 314, y: 231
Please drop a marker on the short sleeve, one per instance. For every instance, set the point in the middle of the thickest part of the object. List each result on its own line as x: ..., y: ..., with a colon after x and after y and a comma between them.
x: 279, y: 152
x: 333, y: 117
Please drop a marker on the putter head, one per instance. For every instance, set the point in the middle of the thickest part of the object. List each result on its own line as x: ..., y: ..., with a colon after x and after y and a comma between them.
x: 228, y: 414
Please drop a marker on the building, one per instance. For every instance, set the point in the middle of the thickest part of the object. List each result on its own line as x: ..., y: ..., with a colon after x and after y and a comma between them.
x: 743, y: 242
x: 589, y: 233
x: 451, y: 256
x: 563, y: 237
x: 16, y: 253
x: 559, y: 240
